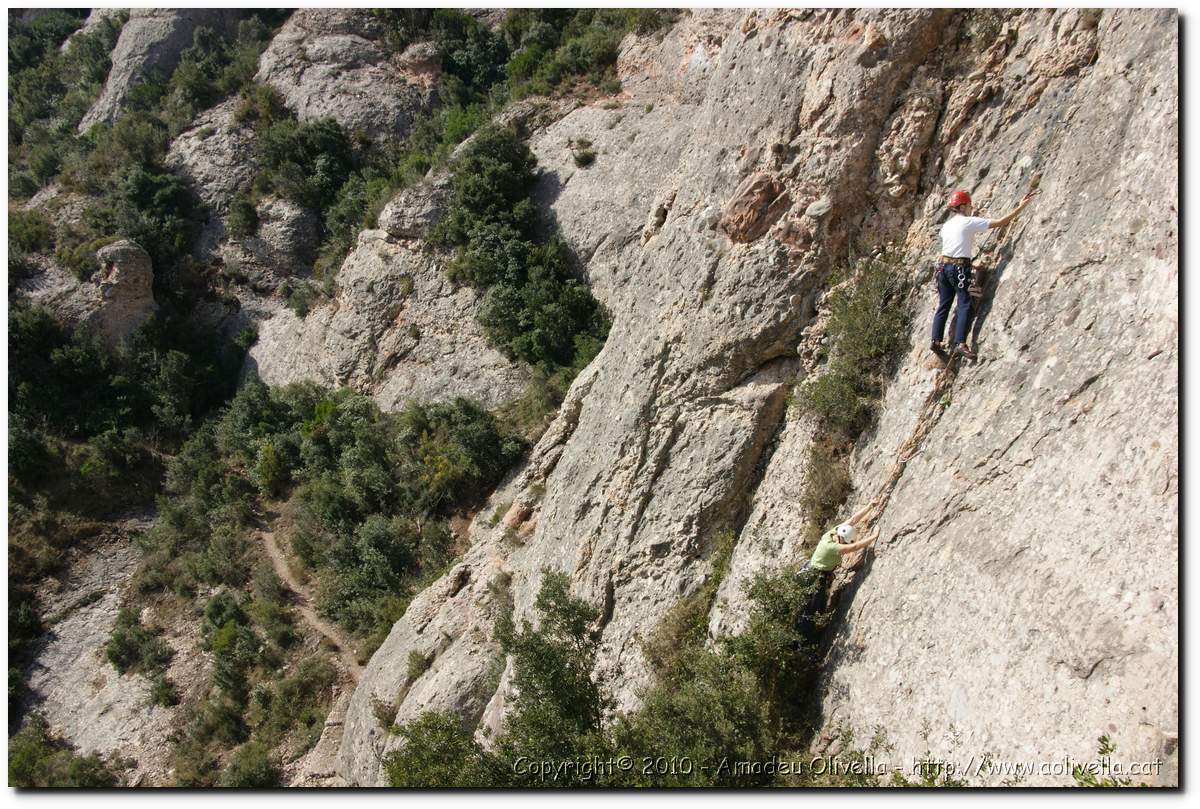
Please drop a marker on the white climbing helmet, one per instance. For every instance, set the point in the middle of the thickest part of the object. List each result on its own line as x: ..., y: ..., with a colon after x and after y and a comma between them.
x: 846, y: 532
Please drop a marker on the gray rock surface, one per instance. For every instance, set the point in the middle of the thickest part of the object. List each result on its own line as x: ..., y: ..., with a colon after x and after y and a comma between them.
x: 150, y: 45
x: 330, y: 62
x: 396, y: 330
x: 117, y: 299
x: 1024, y: 598
x: 216, y: 155
x: 678, y: 430
x: 71, y: 682
x: 284, y: 245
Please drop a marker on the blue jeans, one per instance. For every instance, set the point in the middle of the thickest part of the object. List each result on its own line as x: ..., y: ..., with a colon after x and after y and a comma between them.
x: 953, y: 281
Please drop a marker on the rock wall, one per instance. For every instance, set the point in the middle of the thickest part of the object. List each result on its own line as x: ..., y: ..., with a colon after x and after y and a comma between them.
x: 150, y: 44
x: 1024, y: 599
x: 330, y: 62
x: 805, y: 135
x: 397, y: 329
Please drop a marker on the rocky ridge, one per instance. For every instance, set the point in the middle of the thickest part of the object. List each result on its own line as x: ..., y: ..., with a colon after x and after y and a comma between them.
x: 329, y: 62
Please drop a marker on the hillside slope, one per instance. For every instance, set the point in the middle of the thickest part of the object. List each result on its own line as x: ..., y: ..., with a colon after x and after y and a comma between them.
x: 748, y: 155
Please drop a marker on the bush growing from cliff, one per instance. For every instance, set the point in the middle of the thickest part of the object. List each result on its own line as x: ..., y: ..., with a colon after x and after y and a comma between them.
x: 709, y: 710
x: 440, y: 753
x: 36, y: 759
x: 242, y: 219
x: 868, y: 331
x: 29, y: 231
x: 736, y: 701
x: 535, y: 308
x: 557, y: 709
x: 552, y: 47
x: 251, y: 767
x: 133, y: 647
x: 297, y: 704
x: 215, y: 67
x: 305, y: 163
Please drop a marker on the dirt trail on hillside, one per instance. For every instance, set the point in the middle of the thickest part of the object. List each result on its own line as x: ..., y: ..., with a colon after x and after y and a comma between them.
x: 304, y: 603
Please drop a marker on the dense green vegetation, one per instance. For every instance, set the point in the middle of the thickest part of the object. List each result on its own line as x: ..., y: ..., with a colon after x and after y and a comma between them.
x: 49, y: 91
x: 37, y: 759
x: 316, y: 165
x: 868, y: 332
x: 535, y: 51
x: 370, y: 492
x: 740, y: 700
x: 535, y: 308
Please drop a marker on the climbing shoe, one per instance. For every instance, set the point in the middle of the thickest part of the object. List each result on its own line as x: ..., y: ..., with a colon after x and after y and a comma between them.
x: 964, y: 352
x: 937, y: 348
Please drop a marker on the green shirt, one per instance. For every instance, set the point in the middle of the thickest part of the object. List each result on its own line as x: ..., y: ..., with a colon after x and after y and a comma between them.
x: 826, y: 556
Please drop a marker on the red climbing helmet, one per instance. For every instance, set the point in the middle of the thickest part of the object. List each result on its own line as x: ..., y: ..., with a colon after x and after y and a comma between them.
x: 959, y: 198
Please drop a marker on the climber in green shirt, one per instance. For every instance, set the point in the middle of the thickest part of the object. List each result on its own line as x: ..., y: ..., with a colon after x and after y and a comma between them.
x: 833, y: 545
x: 838, y: 542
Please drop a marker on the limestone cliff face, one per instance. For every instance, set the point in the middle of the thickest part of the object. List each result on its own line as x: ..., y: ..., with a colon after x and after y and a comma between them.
x: 150, y: 45
x: 1025, y: 591
x: 330, y: 62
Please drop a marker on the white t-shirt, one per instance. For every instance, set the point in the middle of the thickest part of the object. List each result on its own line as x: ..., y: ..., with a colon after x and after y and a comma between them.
x: 958, y: 235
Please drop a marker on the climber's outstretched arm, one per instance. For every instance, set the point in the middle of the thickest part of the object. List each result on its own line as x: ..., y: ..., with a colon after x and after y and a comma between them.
x: 857, y: 517
x: 1004, y: 220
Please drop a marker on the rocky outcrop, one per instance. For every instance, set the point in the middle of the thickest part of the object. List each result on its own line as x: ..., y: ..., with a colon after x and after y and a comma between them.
x: 410, y: 214
x: 397, y: 329
x: 756, y: 205
x: 331, y: 62
x: 149, y: 47
x: 678, y: 431
x: 217, y: 158
x: 216, y: 155
x: 283, y: 245
x: 117, y: 298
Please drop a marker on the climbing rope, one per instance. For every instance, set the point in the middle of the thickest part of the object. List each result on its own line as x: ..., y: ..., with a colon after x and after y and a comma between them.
x: 931, y: 412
